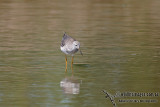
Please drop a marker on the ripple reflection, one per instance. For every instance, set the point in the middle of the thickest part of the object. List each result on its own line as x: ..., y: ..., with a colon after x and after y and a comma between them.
x: 70, y: 85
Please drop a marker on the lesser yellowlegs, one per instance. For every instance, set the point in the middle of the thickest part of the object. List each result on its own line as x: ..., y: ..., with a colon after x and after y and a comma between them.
x: 69, y: 46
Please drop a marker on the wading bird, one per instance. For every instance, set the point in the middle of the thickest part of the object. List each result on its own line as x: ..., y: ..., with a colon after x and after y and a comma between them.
x: 69, y: 46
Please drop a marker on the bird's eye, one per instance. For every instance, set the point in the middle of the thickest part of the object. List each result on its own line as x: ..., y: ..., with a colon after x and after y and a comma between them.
x: 75, y: 45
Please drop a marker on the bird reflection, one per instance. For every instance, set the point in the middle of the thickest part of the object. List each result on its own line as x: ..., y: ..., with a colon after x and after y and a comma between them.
x: 70, y: 85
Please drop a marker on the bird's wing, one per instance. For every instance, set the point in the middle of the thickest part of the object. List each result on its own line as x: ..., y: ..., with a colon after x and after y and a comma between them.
x: 66, y: 40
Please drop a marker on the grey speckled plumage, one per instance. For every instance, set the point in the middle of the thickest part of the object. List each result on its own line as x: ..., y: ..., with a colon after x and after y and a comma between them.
x: 69, y: 45
x: 67, y: 40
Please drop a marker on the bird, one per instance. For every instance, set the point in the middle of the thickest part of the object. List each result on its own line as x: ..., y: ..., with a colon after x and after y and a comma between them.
x: 69, y: 46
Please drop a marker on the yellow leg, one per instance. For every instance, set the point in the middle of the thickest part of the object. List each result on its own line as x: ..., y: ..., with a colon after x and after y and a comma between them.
x: 72, y: 64
x: 66, y: 62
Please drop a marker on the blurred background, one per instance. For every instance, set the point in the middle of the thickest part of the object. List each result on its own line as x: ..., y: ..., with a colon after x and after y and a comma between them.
x: 120, y: 40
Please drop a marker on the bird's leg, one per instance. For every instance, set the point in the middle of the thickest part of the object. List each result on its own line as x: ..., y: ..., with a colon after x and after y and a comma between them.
x: 66, y: 62
x: 72, y: 64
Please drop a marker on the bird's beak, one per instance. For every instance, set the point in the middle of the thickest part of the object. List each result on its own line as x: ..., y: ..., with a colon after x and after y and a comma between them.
x: 81, y: 52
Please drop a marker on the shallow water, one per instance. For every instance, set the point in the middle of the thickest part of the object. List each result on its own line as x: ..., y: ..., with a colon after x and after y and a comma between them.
x: 119, y: 39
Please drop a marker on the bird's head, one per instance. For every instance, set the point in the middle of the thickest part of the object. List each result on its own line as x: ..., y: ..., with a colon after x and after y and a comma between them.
x: 77, y: 46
